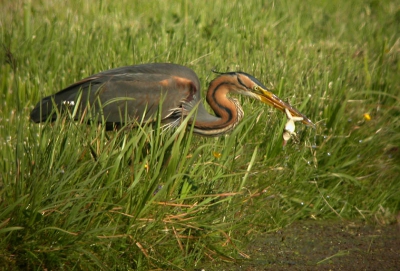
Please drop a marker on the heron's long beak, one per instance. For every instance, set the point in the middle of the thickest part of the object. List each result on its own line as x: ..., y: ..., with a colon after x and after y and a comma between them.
x: 268, y: 97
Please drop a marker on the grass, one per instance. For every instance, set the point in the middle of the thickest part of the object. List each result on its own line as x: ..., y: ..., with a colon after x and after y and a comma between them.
x: 76, y: 197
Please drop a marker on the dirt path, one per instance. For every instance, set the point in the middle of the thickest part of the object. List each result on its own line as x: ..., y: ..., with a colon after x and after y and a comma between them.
x: 313, y: 245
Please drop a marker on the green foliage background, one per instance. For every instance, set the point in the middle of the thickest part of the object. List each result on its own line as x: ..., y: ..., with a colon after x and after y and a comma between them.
x: 76, y: 197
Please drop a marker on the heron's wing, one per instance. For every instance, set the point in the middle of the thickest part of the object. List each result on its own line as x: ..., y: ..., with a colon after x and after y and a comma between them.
x: 139, y: 96
x: 125, y: 93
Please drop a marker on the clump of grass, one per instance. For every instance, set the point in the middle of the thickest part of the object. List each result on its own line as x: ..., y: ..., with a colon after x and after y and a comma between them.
x: 84, y: 195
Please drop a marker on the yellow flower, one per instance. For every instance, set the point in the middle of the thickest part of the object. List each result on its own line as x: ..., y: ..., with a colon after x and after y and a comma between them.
x: 216, y: 154
x: 367, y: 117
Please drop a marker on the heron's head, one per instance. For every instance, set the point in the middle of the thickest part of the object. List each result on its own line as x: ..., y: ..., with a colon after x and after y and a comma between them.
x: 245, y: 84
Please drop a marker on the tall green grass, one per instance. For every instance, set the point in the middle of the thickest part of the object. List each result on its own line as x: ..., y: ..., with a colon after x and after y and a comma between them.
x: 74, y: 196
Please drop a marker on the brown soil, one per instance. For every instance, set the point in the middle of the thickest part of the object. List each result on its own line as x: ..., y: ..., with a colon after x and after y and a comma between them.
x: 313, y: 245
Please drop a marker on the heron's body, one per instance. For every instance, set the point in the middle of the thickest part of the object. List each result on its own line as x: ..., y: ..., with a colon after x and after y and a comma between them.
x: 133, y: 93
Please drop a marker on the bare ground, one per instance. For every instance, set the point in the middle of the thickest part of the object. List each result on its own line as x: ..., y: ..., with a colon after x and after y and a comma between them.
x: 314, y: 245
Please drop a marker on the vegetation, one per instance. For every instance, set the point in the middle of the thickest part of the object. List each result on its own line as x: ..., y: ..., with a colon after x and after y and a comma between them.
x: 73, y: 196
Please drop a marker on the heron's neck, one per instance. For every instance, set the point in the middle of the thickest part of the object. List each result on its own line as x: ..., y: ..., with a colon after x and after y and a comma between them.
x: 228, y: 111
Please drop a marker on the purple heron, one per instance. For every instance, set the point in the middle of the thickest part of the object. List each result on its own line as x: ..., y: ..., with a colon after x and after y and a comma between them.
x: 136, y: 91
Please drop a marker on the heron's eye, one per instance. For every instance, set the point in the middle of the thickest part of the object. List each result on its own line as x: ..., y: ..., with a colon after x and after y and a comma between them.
x: 255, y: 88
